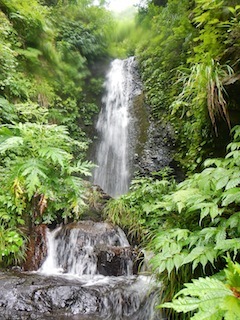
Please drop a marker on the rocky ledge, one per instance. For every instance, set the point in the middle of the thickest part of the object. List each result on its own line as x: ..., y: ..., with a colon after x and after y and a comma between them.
x: 26, y: 296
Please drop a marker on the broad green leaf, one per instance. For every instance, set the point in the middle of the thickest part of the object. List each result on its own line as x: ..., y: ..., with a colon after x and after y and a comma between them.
x: 228, y: 245
x: 233, y: 183
x: 56, y: 155
x: 182, y: 304
x: 194, y: 253
x: 222, y: 182
x: 178, y: 260
x: 230, y: 196
x: 204, y: 288
x: 11, y: 143
x: 169, y: 265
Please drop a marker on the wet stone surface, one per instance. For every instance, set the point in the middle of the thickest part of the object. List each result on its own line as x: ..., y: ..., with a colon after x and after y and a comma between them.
x: 26, y: 296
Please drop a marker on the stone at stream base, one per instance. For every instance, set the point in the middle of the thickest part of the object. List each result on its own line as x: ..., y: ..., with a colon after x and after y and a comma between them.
x: 33, y: 296
x: 115, y: 261
x: 112, y: 260
x: 37, y: 244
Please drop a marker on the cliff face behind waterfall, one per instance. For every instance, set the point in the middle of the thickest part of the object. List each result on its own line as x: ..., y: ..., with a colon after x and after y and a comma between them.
x: 128, y: 141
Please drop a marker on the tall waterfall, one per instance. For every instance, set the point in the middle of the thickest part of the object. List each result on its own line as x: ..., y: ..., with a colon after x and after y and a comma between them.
x: 115, y: 152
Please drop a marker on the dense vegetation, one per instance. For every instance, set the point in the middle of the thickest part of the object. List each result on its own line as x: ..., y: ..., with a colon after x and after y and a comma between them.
x: 190, y: 70
x: 193, y: 52
x: 191, y: 227
x: 48, y: 99
x: 188, y: 55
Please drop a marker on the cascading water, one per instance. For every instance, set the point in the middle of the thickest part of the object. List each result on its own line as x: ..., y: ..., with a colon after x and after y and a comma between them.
x: 75, y: 249
x: 98, y: 257
x: 114, y: 152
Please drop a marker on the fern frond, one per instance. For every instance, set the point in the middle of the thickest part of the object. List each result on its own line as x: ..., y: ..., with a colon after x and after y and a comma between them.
x: 32, y: 170
x: 11, y: 143
x: 56, y: 155
x: 205, y: 294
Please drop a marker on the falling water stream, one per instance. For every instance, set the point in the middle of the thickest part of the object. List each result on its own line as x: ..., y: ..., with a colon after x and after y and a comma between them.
x: 91, y: 272
x: 99, y: 258
x: 114, y: 125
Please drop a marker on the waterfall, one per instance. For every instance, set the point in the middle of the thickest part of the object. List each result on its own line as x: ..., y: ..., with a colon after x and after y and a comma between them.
x: 77, y: 248
x: 115, y: 122
x: 97, y: 274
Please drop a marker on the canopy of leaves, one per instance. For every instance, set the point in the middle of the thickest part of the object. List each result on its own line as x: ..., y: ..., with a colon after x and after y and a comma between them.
x: 194, y: 50
x: 190, y: 226
x: 46, y: 53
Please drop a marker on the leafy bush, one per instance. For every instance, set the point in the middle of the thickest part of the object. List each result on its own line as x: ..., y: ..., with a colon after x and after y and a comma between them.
x: 214, y: 299
x: 191, y: 226
x: 197, y: 42
x: 40, y: 179
x: 136, y: 210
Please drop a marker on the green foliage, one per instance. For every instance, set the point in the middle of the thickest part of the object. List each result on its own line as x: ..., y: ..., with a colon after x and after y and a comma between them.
x: 137, y: 210
x: 206, y: 207
x: 39, y: 177
x: 190, y: 226
x: 46, y: 48
x: 45, y: 57
x: 194, y: 50
x: 204, y: 86
x: 213, y: 298
x: 171, y: 32
x: 126, y: 35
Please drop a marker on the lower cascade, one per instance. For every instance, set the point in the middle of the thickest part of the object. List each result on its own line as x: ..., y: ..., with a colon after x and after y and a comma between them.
x: 90, y: 273
x: 99, y: 256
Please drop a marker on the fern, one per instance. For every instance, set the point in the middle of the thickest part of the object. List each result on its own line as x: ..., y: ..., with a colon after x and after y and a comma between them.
x: 56, y: 155
x: 11, y: 143
x: 40, y: 164
x: 211, y: 297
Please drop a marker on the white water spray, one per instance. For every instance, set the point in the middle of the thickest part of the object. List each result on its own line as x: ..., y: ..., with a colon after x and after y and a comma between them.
x: 114, y: 153
x: 73, y: 250
x: 75, y: 253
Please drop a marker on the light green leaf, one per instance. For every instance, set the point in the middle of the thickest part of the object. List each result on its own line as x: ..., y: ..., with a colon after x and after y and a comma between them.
x: 230, y: 196
x: 232, y: 306
x: 169, y: 265
x: 222, y: 182
x: 195, y: 253
x: 233, y: 183
x: 11, y: 144
x: 56, y: 155
x: 182, y: 304
x: 228, y: 245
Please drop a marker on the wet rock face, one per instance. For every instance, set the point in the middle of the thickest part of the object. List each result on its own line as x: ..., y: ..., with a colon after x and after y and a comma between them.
x: 157, y: 152
x: 36, y: 297
x: 32, y: 296
x: 118, y: 261
x: 88, y: 275
x: 89, y: 247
